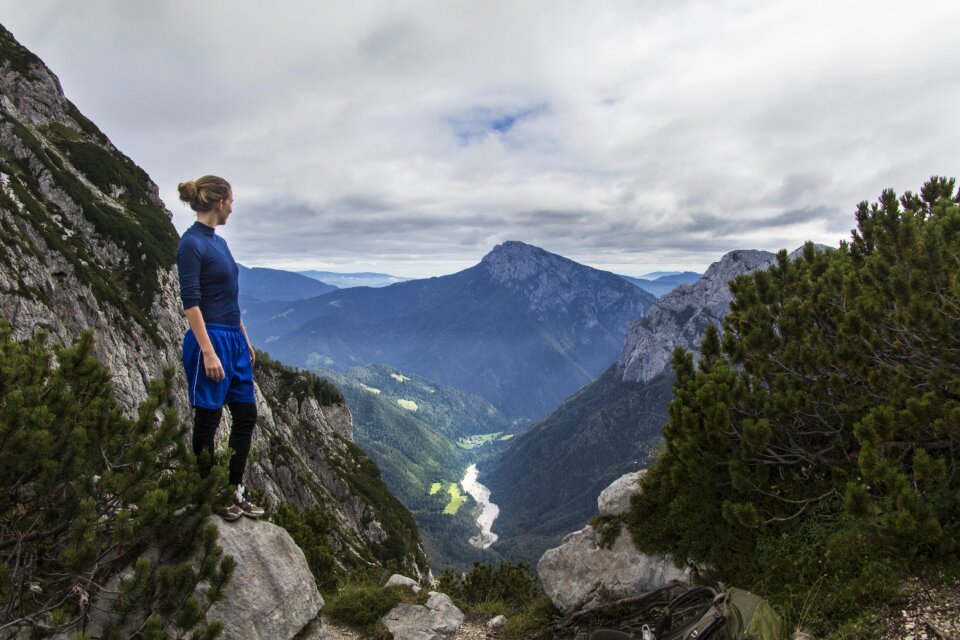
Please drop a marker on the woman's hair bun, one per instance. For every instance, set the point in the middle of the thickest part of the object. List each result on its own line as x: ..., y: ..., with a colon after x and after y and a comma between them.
x: 204, y: 192
x: 188, y: 191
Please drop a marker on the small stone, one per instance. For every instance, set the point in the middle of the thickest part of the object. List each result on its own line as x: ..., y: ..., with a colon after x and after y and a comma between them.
x: 496, y: 623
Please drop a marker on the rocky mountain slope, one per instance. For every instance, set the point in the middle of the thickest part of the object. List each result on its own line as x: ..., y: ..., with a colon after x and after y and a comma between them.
x: 523, y: 329
x: 680, y: 318
x: 88, y: 244
x: 546, y: 481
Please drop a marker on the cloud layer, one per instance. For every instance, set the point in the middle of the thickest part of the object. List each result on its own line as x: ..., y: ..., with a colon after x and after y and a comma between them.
x: 412, y: 137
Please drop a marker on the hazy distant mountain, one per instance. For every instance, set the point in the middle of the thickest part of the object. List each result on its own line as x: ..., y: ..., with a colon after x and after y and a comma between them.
x: 348, y: 280
x: 524, y: 328
x: 274, y: 284
x: 663, y: 284
x: 546, y: 480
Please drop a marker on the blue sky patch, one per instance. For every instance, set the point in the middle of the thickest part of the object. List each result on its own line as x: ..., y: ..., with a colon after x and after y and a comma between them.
x: 484, y: 121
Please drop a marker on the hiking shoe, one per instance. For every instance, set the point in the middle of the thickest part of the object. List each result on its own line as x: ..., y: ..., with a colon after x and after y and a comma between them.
x: 231, y: 512
x: 246, y: 507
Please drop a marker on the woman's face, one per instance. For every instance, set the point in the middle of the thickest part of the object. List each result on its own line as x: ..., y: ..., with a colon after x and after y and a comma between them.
x: 224, y: 209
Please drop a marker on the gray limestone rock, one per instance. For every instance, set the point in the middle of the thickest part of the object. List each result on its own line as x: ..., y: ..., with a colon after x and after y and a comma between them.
x: 437, y: 618
x: 580, y: 573
x: 615, y: 499
x: 272, y: 593
x: 681, y: 318
x: 397, y: 580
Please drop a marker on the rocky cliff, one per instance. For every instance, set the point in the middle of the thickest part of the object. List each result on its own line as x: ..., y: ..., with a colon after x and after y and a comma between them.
x: 681, y: 317
x: 88, y: 244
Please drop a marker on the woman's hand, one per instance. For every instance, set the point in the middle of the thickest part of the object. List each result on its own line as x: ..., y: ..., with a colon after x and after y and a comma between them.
x: 212, y: 366
x: 253, y: 354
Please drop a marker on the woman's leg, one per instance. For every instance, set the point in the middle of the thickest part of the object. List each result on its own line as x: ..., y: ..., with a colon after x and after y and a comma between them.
x: 244, y: 420
x: 205, y: 423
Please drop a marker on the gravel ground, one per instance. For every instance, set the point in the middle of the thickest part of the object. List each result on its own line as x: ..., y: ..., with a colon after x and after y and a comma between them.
x: 473, y: 628
x: 924, y: 611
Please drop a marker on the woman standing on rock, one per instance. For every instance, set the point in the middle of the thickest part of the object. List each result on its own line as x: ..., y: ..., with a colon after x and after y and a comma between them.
x: 217, y: 354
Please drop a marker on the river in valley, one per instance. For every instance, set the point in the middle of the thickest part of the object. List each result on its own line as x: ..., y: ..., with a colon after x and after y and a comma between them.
x: 487, y: 511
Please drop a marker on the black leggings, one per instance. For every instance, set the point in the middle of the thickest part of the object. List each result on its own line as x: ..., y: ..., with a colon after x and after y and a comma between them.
x: 205, y: 423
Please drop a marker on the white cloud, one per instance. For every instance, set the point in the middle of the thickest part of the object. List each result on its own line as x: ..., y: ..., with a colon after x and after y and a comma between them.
x: 412, y: 137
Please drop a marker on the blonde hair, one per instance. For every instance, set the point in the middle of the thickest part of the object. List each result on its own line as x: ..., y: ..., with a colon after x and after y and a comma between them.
x: 201, y: 194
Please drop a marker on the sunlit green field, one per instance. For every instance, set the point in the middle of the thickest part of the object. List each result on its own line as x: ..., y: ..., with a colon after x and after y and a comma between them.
x: 435, y: 487
x: 409, y: 405
x: 456, y: 499
x: 472, y: 442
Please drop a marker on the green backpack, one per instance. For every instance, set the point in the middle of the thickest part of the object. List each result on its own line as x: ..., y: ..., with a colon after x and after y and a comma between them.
x: 733, y: 614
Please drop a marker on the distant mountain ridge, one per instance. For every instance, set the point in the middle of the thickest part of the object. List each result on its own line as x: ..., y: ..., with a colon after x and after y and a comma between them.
x: 347, y: 280
x: 524, y: 328
x: 275, y: 284
x: 660, y: 285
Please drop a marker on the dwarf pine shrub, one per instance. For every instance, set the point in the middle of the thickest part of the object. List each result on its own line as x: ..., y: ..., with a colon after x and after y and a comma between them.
x: 84, y: 491
x: 812, y: 454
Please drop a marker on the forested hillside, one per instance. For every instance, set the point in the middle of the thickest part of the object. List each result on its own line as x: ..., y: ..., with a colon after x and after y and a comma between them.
x: 423, y: 436
x: 813, y: 453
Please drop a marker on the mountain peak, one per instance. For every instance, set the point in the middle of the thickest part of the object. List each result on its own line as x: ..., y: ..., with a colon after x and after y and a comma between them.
x: 514, y: 260
x: 515, y: 249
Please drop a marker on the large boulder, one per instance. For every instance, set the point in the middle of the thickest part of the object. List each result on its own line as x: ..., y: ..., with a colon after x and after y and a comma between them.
x: 615, y: 499
x: 437, y: 618
x: 581, y: 573
x: 272, y: 593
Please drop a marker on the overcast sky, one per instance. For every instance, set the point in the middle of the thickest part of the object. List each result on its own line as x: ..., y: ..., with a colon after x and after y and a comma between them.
x: 412, y: 137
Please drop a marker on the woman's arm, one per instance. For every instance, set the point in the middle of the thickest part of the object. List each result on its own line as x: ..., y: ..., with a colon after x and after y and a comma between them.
x: 253, y: 355
x: 211, y: 361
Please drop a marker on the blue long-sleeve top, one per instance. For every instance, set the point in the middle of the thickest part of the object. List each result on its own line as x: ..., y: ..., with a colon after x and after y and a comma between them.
x: 208, y: 275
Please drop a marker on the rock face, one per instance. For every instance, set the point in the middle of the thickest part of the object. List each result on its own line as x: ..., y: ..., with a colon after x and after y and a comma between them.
x: 437, y: 618
x: 272, y: 593
x: 86, y: 243
x: 580, y: 573
x: 681, y: 318
x: 61, y: 266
